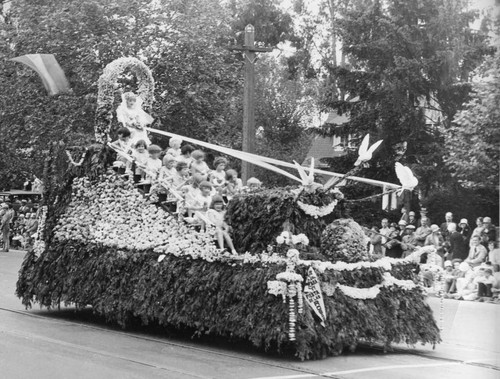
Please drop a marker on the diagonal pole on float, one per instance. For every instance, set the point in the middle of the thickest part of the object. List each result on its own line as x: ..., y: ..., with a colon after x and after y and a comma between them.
x: 249, y: 51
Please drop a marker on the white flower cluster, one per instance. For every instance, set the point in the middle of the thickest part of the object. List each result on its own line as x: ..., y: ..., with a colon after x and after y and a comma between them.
x: 384, y: 263
x: 289, y: 277
x: 114, y: 213
x: 389, y: 280
x: 263, y: 258
x: 315, y: 211
x: 360, y: 293
x: 277, y: 288
x: 290, y: 239
x: 39, y: 244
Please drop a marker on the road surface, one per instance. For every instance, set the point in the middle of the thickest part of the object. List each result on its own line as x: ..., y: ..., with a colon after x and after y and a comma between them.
x: 39, y: 343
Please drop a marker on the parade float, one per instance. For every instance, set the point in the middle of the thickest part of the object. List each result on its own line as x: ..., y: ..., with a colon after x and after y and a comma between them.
x: 303, y: 283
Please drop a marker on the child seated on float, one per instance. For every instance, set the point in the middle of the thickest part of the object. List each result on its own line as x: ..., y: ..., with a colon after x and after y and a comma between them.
x: 202, y: 199
x: 153, y: 164
x: 233, y: 183
x: 181, y: 176
x: 185, y: 156
x: 254, y: 184
x: 167, y: 171
x: 218, y: 176
x: 175, y: 147
x: 141, y: 156
x: 198, y: 165
x: 216, y: 215
x: 191, y: 192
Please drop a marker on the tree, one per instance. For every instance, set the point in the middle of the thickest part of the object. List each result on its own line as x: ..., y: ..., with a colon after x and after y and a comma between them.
x: 473, y: 139
x: 404, y: 58
x: 182, y: 41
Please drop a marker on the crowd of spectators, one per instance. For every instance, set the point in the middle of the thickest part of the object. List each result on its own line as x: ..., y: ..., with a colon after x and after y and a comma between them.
x: 469, y: 256
x: 18, y: 227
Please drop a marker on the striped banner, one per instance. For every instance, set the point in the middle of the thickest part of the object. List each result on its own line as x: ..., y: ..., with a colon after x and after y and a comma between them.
x: 48, y: 69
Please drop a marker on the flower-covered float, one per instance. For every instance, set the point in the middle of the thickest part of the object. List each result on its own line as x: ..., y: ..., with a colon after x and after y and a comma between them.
x: 302, y: 283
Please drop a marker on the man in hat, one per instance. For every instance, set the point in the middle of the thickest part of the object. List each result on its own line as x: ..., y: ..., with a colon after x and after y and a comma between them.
x: 457, y: 249
x: 444, y: 226
x: 409, y: 244
x: 5, y: 219
x: 422, y: 231
x: 412, y: 220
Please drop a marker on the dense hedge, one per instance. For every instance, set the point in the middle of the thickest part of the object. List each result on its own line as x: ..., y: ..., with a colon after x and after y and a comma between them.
x: 257, y: 218
x: 224, y: 299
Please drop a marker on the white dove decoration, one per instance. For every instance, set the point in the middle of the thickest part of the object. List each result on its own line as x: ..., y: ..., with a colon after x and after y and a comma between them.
x: 406, y: 177
x: 365, y: 153
x: 307, y: 179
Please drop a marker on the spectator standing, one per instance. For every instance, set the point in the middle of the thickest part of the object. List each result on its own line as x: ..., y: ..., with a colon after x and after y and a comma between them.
x: 409, y: 243
x: 412, y: 220
x: 5, y: 220
x: 465, y: 230
x: 384, y: 231
x: 405, y: 216
x: 435, y: 239
x: 489, y: 232
x: 444, y: 226
x: 422, y: 231
x: 393, y: 245
x: 375, y: 242
x: 457, y: 246
x: 478, y: 230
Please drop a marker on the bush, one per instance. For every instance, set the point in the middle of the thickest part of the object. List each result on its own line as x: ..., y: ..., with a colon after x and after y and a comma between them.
x: 344, y: 240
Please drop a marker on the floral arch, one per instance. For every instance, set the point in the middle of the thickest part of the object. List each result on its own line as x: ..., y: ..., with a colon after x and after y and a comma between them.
x: 107, y: 90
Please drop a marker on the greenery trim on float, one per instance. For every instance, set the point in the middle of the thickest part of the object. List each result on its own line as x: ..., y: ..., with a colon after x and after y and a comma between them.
x: 303, y: 285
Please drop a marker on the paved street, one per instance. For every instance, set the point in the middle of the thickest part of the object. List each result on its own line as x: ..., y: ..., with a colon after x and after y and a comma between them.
x: 41, y: 344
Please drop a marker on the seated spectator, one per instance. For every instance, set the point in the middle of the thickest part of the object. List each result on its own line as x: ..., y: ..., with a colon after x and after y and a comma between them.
x: 477, y: 252
x: 494, y: 256
x: 216, y: 215
x: 465, y: 287
x: 485, y: 283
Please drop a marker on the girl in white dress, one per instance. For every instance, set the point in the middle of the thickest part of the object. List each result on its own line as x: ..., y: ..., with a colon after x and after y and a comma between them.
x: 132, y: 116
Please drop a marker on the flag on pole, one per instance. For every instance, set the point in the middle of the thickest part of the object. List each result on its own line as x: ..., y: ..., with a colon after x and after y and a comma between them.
x: 49, y: 71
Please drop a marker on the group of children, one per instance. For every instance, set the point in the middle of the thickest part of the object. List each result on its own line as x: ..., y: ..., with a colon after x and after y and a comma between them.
x: 182, y: 177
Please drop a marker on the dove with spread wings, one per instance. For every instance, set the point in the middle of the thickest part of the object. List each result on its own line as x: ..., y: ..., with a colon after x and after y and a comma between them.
x: 365, y: 153
x: 406, y: 177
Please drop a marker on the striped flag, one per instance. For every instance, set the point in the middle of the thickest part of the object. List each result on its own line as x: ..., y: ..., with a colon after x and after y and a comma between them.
x: 49, y: 71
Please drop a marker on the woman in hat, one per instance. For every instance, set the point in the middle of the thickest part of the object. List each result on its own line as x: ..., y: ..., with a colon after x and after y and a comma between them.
x: 465, y: 230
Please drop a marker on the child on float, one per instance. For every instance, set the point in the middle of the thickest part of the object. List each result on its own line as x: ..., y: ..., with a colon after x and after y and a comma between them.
x: 201, y: 202
x: 141, y: 156
x: 175, y: 147
x: 153, y: 163
x: 167, y: 171
x: 233, y: 183
x: 181, y: 177
x: 198, y: 165
x: 254, y: 184
x: 133, y: 117
x: 185, y: 156
x: 124, y: 144
x: 218, y: 176
x: 191, y: 192
x: 216, y: 215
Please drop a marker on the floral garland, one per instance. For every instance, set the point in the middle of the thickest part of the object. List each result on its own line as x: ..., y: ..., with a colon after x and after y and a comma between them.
x: 39, y: 246
x: 315, y: 211
x: 80, y: 162
x: 107, y: 89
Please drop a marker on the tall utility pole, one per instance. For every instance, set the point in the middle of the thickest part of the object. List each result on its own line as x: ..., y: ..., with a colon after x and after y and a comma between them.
x: 249, y: 51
